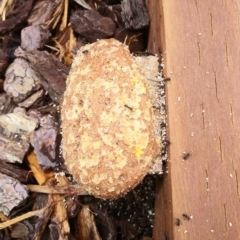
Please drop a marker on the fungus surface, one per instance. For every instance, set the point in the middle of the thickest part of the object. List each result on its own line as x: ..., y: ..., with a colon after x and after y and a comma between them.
x: 108, y: 124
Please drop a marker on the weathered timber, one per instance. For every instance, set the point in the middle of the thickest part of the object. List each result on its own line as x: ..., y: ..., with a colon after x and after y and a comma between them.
x: 200, y: 49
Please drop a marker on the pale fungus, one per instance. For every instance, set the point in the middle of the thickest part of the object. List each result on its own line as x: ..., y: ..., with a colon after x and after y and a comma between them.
x: 108, y: 122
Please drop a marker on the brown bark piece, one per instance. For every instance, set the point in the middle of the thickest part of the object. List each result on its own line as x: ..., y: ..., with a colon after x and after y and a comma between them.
x: 112, y: 12
x: 106, y: 223
x: 21, y: 80
x: 201, y: 55
x: 16, y: 17
x: 44, y: 142
x: 42, y: 11
x: 22, y: 230
x: 135, y: 14
x: 50, y: 71
x: 86, y: 228
x: 1, y: 85
x: 14, y: 130
x: 41, y: 201
x: 6, y: 104
x: 3, y: 61
x: 14, y: 171
x: 12, y: 193
x: 91, y: 25
x: 34, y: 37
x: 34, y: 99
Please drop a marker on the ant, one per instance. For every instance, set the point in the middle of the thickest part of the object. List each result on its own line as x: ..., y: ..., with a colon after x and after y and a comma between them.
x: 185, y: 216
x: 167, y: 79
x: 165, y: 236
x: 178, y: 222
x: 186, y: 155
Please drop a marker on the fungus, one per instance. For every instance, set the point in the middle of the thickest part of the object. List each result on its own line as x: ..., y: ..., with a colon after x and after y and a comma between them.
x: 108, y: 122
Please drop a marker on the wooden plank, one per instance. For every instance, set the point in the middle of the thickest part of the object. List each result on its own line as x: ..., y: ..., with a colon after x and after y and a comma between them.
x: 202, y: 41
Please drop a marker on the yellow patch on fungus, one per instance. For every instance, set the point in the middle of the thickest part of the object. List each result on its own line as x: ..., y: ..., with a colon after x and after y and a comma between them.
x: 134, y: 80
x: 138, y: 151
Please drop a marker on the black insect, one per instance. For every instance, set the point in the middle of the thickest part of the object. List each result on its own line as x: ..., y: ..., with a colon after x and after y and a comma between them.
x: 178, y: 222
x: 165, y: 237
x: 85, y: 51
x: 146, y: 54
x: 186, y: 217
x: 186, y: 155
x: 167, y: 79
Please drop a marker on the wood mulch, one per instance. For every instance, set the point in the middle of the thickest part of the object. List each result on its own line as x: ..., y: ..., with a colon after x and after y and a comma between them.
x: 38, y: 42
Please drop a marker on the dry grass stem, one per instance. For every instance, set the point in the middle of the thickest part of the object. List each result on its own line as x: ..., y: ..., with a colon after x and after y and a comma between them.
x: 5, y: 7
x: 70, y: 190
x: 20, y: 218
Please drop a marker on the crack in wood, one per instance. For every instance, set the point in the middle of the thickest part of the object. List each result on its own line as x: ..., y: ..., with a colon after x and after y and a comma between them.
x: 237, y: 185
x: 199, y: 53
x: 220, y: 148
x: 226, y: 53
x: 225, y: 216
x: 216, y: 86
x: 231, y: 114
x: 211, y: 22
x: 203, y: 116
x: 196, y: 3
x: 207, y: 180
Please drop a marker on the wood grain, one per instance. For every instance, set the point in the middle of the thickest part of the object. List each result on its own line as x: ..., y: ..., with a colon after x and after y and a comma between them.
x: 201, y: 44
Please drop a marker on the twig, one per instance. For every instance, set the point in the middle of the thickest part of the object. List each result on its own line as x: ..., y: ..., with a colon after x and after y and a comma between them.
x: 69, y: 190
x: 20, y: 218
